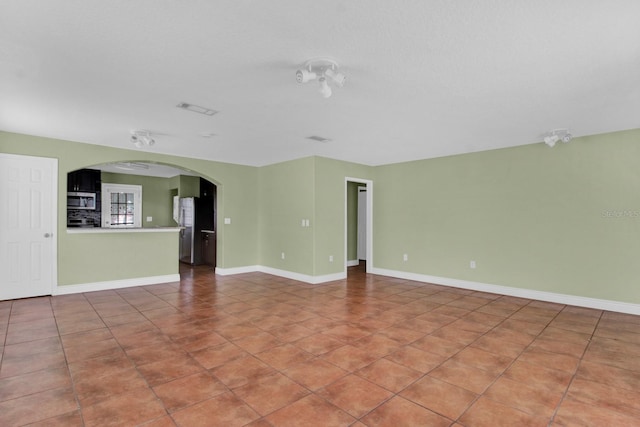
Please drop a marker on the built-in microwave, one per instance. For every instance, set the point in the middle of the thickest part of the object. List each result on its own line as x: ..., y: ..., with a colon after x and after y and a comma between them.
x: 81, y: 200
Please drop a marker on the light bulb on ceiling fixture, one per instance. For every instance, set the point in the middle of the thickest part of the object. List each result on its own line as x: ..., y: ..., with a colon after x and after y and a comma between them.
x: 550, y: 138
x: 324, y: 90
x: 142, y: 138
x: 304, y: 76
x: 338, y: 78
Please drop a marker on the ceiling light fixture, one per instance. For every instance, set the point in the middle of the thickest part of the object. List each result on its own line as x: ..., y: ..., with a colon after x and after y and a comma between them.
x: 196, y: 109
x: 550, y: 138
x: 320, y: 69
x: 324, y: 89
x: 142, y: 138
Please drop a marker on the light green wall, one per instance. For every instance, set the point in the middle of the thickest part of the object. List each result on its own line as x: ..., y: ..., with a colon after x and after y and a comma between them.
x: 564, y: 220
x: 89, y: 258
x: 531, y: 217
x: 237, y: 199
x: 329, y: 229
x: 189, y: 186
x: 312, y: 188
x: 156, y: 197
x: 286, y: 195
x: 157, y: 194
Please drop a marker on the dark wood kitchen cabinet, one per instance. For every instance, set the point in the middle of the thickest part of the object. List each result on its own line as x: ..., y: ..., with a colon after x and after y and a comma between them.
x: 208, y: 200
x: 84, y: 180
x: 207, y: 190
x: 209, y: 247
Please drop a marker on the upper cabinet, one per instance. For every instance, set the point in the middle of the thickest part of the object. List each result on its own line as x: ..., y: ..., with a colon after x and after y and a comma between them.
x: 84, y: 180
x: 207, y: 189
x: 208, y: 201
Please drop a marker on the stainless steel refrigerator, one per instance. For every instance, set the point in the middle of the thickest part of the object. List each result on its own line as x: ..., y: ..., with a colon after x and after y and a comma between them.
x: 188, y: 220
x: 196, y: 217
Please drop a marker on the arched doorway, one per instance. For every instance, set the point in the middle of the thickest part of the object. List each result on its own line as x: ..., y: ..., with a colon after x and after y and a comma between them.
x: 166, y: 191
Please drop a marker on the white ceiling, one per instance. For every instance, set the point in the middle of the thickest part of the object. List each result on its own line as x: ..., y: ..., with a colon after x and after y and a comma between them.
x: 425, y: 78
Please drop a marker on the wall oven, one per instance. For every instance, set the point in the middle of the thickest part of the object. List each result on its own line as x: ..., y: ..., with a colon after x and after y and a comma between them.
x: 77, y: 200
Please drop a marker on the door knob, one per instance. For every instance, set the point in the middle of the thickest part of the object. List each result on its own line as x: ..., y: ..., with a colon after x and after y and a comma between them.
x: 47, y: 235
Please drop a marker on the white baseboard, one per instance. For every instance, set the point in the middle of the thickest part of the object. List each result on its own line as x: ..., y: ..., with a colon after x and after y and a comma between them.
x: 115, y: 284
x: 353, y: 262
x: 314, y: 280
x: 600, y: 304
x: 281, y: 273
x: 237, y: 270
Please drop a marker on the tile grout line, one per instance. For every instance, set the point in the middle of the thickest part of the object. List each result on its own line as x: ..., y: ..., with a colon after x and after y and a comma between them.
x: 263, y: 295
x: 135, y: 367
x: 66, y: 364
x: 457, y: 420
x: 577, y: 368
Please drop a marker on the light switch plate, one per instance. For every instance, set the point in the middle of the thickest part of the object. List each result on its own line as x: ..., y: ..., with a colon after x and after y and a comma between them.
x: 227, y: 220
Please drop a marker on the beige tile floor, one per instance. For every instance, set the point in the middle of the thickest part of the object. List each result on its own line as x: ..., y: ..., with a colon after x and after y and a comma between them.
x: 260, y: 350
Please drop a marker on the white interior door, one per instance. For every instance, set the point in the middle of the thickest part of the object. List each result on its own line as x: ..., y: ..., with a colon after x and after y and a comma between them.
x: 362, y: 223
x: 28, y: 217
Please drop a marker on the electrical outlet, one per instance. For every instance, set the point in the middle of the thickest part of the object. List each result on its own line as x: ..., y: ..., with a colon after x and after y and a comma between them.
x: 330, y: 258
x: 149, y: 218
x: 282, y: 255
x: 472, y: 264
x: 405, y: 257
x: 227, y: 220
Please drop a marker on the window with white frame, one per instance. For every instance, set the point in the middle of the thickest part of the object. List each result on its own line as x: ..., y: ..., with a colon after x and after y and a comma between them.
x: 121, y: 206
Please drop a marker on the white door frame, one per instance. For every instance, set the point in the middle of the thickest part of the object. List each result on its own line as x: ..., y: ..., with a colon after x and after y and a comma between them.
x: 369, y: 184
x: 52, y: 230
x: 361, y: 240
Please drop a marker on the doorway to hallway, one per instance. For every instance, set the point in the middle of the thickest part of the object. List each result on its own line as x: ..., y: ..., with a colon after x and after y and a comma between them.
x: 362, y: 224
x: 358, y: 224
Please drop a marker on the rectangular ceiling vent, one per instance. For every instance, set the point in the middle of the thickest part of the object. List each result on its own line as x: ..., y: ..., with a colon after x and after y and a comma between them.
x: 196, y: 109
x: 318, y: 138
x: 129, y: 166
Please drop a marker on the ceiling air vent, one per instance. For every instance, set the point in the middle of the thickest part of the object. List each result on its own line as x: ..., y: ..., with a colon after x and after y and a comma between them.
x: 129, y: 166
x: 196, y: 109
x: 318, y: 138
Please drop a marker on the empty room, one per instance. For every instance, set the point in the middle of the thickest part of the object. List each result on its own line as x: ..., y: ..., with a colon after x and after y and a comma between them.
x: 339, y: 213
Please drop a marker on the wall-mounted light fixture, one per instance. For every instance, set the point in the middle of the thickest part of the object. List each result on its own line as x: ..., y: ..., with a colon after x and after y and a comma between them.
x: 550, y: 138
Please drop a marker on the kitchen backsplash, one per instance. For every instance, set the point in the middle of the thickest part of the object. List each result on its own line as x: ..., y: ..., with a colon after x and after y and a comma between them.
x: 91, y: 216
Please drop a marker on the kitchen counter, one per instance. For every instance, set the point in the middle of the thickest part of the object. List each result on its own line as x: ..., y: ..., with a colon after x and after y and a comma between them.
x: 91, y: 230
